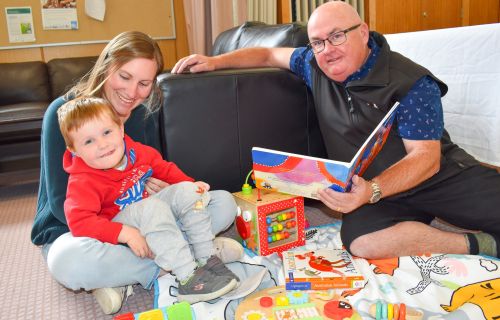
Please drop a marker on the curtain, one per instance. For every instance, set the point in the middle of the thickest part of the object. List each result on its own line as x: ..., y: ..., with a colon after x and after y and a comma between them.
x: 359, y: 5
x: 262, y: 10
x: 195, y: 12
x: 302, y: 9
x: 205, y: 19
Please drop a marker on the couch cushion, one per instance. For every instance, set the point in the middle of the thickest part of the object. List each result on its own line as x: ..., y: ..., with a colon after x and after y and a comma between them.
x: 64, y: 73
x: 259, y: 34
x: 24, y: 82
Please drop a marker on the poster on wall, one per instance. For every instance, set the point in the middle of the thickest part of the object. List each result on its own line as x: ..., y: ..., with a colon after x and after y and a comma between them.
x: 20, y: 24
x: 59, y: 15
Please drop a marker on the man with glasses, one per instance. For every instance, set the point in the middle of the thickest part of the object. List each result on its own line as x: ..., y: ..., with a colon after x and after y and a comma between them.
x: 355, y: 78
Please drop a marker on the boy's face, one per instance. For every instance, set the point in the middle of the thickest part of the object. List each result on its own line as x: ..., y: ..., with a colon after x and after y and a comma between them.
x: 99, y: 143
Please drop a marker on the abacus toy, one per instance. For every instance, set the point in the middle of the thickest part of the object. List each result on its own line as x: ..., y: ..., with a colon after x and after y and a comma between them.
x: 397, y: 311
x: 269, y: 222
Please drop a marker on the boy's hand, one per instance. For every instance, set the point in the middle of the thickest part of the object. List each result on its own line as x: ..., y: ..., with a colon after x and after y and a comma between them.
x: 136, y: 242
x: 154, y: 185
x: 203, y: 186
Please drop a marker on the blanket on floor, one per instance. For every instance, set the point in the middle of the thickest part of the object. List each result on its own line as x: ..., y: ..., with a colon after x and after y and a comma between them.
x: 442, y: 286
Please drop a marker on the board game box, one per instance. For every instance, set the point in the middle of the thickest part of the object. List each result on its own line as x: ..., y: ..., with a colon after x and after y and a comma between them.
x: 321, y: 269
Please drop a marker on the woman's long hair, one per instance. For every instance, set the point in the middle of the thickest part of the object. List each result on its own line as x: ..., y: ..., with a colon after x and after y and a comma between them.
x: 120, y: 50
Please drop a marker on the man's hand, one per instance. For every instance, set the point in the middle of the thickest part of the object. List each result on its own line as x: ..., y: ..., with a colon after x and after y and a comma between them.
x: 194, y: 63
x: 136, y: 242
x: 154, y: 185
x: 345, y: 202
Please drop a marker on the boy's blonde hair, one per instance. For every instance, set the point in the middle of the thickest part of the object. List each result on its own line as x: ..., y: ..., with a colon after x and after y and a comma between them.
x: 77, y: 112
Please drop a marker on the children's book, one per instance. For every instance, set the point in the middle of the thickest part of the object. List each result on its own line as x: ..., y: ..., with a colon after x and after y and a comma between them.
x: 304, y: 175
x: 321, y: 269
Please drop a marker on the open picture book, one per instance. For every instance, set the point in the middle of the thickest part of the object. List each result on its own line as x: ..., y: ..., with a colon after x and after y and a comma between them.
x: 304, y: 175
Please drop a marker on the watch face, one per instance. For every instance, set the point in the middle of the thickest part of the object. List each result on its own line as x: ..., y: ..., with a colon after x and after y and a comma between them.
x: 375, y: 197
x: 377, y: 194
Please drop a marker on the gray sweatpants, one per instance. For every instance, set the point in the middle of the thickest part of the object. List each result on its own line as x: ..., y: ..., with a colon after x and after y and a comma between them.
x: 176, y: 232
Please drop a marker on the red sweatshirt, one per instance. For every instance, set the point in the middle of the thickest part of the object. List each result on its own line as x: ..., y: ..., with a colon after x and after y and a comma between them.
x: 94, y: 196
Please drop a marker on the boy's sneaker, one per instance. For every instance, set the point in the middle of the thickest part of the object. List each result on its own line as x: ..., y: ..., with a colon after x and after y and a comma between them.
x: 227, y: 249
x: 218, y: 267
x: 111, y: 299
x: 204, y: 285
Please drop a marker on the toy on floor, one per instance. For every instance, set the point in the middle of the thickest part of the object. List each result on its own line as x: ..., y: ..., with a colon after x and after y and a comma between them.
x: 269, y: 222
x: 278, y: 304
x: 396, y: 311
x: 178, y: 311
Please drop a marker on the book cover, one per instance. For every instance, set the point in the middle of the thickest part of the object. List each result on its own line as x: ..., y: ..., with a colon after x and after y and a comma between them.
x: 321, y: 269
x: 303, y: 175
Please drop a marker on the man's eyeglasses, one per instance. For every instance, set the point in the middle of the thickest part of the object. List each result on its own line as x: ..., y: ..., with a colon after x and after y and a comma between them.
x: 335, y: 39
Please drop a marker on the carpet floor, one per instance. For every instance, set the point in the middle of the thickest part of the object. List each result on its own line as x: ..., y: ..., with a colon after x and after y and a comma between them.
x: 27, y: 289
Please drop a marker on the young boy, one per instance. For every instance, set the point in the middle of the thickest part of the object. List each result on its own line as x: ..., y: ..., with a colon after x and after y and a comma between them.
x: 106, y: 200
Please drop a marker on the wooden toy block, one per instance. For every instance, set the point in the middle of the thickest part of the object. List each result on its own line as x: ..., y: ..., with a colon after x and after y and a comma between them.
x: 269, y: 222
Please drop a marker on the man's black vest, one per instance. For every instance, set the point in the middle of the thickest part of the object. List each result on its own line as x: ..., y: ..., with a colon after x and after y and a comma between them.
x: 348, y: 114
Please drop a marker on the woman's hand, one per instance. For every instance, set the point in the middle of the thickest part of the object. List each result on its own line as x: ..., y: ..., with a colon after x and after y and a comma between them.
x: 136, y: 242
x: 154, y: 185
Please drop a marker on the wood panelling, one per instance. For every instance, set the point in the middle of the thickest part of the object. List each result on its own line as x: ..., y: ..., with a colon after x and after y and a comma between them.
x: 394, y: 16
x: 87, y: 50
x: 386, y: 16
x: 284, y: 8
x: 441, y: 14
x: 168, y: 49
x: 19, y: 55
x: 487, y: 12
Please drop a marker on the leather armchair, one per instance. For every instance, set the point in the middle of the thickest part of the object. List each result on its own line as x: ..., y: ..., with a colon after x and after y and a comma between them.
x: 259, y: 34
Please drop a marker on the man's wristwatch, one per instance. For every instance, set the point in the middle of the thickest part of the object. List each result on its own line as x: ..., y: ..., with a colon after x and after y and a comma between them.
x: 376, y: 192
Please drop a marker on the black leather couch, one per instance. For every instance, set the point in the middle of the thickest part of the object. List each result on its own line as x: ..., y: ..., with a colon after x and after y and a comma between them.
x: 26, y: 90
x: 210, y: 121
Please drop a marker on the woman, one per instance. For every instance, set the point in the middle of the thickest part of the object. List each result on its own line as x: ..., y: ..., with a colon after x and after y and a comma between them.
x: 125, y: 75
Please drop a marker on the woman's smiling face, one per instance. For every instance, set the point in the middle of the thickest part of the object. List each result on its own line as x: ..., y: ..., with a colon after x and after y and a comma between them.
x: 130, y: 85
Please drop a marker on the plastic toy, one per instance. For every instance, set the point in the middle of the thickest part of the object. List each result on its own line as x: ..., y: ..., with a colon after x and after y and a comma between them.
x: 178, y: 311
x: 396, y: 311
x: 269, y: 222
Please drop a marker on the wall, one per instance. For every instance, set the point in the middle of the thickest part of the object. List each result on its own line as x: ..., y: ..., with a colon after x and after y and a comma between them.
x: 172, y: 49
x: 396, y: 16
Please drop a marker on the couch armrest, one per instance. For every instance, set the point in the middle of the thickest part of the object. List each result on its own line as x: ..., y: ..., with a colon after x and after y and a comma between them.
x: 210, y: 121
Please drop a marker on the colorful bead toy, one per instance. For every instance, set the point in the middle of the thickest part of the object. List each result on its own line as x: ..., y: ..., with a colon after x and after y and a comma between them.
x: 397, y: 311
